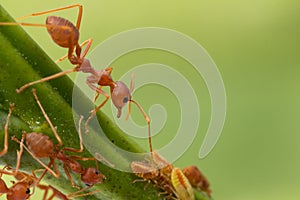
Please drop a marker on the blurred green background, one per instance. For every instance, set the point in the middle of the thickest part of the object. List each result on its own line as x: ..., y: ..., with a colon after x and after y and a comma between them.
x: 255, y: 45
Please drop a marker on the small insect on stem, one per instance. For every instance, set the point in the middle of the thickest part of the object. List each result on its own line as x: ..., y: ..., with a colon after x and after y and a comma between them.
x: 164, y: 176
x: 181, y: 185
x: 64, y: 33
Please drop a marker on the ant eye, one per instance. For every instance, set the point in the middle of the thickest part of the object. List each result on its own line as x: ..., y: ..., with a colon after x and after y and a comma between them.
x: 96, y: 172
x: 125, y: 100
x: 28, y: 191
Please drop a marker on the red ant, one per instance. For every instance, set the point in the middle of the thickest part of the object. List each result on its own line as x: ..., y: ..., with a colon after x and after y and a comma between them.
x: 120, y: 93
x: 65, y: 34
x: 40, y: 146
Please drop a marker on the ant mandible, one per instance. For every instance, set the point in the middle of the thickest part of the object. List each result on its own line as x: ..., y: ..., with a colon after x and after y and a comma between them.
x: 40, y: 146
x: 64, y: 33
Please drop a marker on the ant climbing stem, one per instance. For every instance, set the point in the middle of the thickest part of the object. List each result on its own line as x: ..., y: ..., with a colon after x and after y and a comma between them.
x: 64, y: 33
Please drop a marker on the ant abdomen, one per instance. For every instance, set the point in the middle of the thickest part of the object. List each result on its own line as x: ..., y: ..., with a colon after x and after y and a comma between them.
x: 39, y: 144
x: 62, y: 31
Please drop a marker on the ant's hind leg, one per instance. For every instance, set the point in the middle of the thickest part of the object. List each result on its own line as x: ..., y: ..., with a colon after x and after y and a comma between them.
x: 4, y: 151
x: 55, y: 10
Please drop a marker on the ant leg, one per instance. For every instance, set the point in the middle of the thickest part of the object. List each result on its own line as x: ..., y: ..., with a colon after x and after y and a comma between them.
x: 93, y: 112
x: 56, y: 192
x: 89, y: 44
x: 97, y: 94
x: 51, y: 163
x: 80, y: 139
x: 69, y: 176
x: 44, y: 187
x: 19, y: 155
x: 47, y: 118
x: 79, y: 59
x: 55, y: 10
x: 75, y: 194
x: 21, y: 24
x: 82, y: 56
x: 4, y: 151
x: 59, y: 74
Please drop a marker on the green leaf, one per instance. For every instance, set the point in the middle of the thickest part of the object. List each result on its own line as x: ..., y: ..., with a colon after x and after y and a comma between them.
x: 22, y: 61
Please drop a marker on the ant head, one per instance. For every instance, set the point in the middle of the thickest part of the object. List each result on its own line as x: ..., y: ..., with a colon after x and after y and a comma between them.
x: 92, y: 176
x: 19, y: 191
x: 120, y: 96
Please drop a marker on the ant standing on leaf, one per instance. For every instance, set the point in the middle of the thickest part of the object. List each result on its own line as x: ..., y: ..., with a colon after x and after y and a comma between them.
x: 40, y: 146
